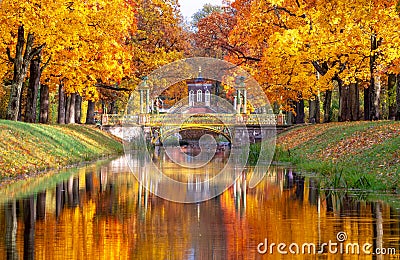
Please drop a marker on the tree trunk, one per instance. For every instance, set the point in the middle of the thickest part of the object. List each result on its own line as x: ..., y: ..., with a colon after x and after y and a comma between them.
x: 299, y: 118
x: 376, y: 98
x: 344, y: 110
x: 20, y: 72
x: 289, y: 118
x: 21, y: 63
x: 349, y: 103
x: 398, y: 98
x: 322, y: 69
x: 104, y: 107
x: 372, y: 96
x: 78, y: 108
x: 34, y: 81
x: 314, y: 111
x: 71, y: 109
x: 112, y: 109
x: 367, y: 103
x: 67, y: 104
x: 354, y: 102
x: 90, y: 113
x: 318, y: 110
x: 61, y: 104
x: 327, y: 106
x: 44, y: 104
x: 392, y: 96
x: 22, y: 103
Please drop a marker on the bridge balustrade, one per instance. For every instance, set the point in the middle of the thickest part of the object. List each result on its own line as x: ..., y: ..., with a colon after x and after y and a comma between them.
x: 206, y: 119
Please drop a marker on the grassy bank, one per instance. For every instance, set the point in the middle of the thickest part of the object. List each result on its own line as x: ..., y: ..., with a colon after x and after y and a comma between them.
x: 361, y: 155
x: 28, y: 148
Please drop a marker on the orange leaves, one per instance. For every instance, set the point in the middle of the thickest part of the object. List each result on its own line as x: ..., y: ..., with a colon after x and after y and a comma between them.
x: 360, y: 141
x: 85, y: 40
x: 175, y: 93
x: 353, y: 139
x: 159, y: 39
x: 212, y: 34
x: 289, y: 36
x: 299, y: 136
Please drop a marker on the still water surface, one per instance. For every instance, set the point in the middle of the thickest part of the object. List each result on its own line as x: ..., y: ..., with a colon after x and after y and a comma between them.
x: 100, y: 211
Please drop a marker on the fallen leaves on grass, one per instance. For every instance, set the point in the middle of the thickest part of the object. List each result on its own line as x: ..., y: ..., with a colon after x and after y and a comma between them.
x: 299, y: 136
x: 359, y: 142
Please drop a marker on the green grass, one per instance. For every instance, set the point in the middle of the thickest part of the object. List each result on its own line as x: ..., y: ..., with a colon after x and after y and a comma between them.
x: 29, y: 148
x: 254, y: 153
x: 358, y: 155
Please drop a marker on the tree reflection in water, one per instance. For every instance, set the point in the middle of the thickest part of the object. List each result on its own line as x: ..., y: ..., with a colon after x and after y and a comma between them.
x: 101, y: 212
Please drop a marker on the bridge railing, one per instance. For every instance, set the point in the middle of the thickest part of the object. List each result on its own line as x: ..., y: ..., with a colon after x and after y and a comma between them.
x: 217, y: 119
x: 208, y: 119
x: 116, y: 119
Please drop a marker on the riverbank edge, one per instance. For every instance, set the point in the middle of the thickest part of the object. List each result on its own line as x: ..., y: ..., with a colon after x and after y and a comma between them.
x: 344, y: 155
x: 59, y: 147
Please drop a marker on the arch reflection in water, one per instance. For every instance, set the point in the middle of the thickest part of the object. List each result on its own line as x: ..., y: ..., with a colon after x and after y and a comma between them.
x: 162, y: 176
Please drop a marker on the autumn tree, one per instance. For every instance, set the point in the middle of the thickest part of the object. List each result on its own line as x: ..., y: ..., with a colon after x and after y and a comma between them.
x: 309, y: 47
x: 100, y: 57
x: 277, y: 66
x: 86, y: 42
x: 204, y: 12
x: 24, y: 53
x: 211, y: 37
x: 156, y: 47
x: 159, y: 39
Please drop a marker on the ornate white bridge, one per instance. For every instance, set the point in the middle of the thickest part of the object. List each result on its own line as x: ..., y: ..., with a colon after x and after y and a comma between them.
x: 160, y: 126
x: 157, y: 120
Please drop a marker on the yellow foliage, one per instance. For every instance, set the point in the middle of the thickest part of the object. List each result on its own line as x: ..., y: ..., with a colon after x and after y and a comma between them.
x: 85, y: 40
x: 290, y: 38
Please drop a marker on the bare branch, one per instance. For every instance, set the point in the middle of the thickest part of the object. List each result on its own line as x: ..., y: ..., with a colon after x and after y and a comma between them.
x: 45, y: 65
x: 28, y: 49
x: 289, y: 12
x: 321, y: 69
x: 241, y: 55
x: 20, y: 43
x: 101, y: 85
x: 283, y: 25
x: 8, y: 52
x: 36, y: 51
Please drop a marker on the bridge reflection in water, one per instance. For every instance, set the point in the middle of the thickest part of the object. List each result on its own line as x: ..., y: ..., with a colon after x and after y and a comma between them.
x: 101, y: 212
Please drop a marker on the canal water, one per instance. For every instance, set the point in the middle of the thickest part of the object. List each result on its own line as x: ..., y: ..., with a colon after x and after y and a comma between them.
x: 100, y: 211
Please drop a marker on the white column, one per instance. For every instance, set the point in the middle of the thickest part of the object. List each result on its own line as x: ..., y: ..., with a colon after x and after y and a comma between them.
x: 141, y: 101
x: 147, y: 101
x: 245, y: 101
x: 239, y: 101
